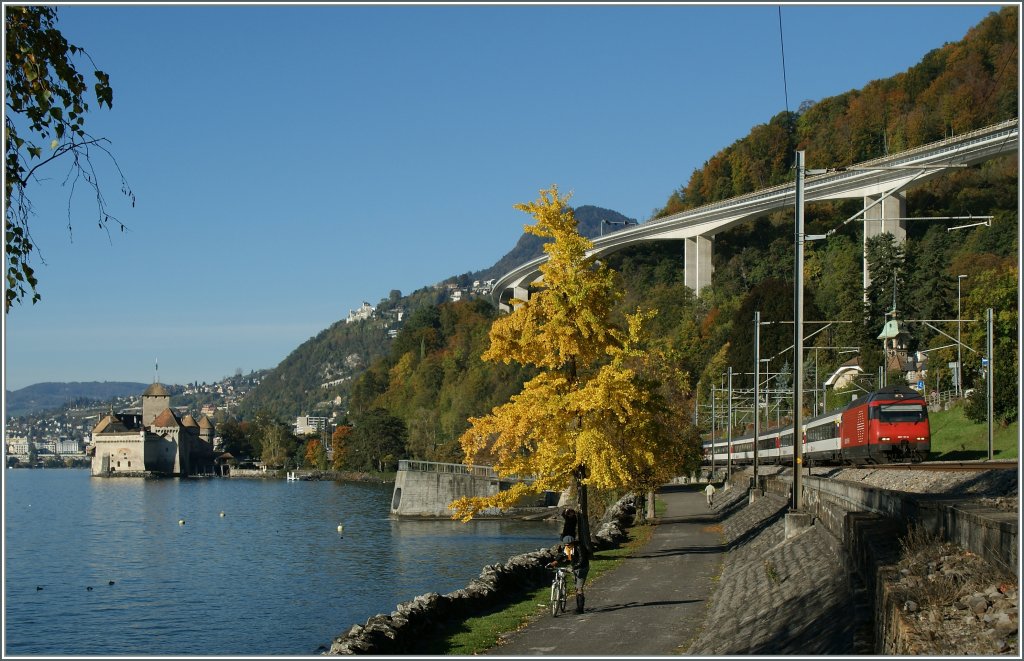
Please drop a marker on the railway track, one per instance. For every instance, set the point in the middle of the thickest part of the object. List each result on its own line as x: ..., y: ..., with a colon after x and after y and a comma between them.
x: 946, y: 466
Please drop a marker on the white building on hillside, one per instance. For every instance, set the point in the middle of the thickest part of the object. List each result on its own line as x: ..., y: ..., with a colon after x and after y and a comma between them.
x: 309, y: 424
x: 365, y: 311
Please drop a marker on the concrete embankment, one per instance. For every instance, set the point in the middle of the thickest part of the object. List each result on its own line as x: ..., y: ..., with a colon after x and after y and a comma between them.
x: 424, y: 489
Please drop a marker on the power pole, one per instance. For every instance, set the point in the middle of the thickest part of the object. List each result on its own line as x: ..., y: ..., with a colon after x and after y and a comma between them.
x: 711, y: 478
x: 798, y: 335
x: 989, y: 379
x: 757, y: 383
x: 728, y: 455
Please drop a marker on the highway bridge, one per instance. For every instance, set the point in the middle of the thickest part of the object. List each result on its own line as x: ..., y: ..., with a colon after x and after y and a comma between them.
x: 881, y: 182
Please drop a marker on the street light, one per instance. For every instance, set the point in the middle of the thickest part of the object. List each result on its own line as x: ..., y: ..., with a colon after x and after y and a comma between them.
x: 616, y: 222
x: 959, y: 363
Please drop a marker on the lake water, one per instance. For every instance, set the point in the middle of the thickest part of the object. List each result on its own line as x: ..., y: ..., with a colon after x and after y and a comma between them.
x: 271, y: 577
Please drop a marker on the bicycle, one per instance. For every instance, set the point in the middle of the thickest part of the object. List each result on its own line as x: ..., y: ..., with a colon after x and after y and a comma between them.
x: 559, y: 591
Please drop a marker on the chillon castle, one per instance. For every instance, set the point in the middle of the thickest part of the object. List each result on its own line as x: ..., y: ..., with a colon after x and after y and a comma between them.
x: 157, y: 442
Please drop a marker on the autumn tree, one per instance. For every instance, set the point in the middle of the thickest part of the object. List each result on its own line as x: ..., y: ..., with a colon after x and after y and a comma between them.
x: 339, y: 449
x: 46, y: 102
x: 316, y: 454
x: 603, y: 409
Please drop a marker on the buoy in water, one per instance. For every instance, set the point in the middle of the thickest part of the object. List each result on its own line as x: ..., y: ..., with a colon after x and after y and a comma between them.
x: 181, y: 522
x: 341, y: 528
x: 222, y: 514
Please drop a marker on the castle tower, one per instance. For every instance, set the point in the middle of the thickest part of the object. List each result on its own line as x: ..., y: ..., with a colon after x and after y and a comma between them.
x: 154, y: 401
x: 207, y: 429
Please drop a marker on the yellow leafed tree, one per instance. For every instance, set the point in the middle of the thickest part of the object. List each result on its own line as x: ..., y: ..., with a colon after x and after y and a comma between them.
x: 606, y: 409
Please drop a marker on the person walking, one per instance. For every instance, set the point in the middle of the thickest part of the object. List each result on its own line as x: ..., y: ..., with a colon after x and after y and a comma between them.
x: 570, y: 526
x: 709, y: 493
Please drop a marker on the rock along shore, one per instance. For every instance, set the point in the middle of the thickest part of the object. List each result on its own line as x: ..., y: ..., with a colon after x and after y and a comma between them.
x: 401, y: 631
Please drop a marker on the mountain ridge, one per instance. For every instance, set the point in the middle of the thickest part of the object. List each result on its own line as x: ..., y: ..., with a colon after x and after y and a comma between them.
x: 55, y: 394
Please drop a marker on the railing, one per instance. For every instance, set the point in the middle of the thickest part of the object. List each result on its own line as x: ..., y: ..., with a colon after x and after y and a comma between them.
x: 456, y: 469
x: 941, y: 399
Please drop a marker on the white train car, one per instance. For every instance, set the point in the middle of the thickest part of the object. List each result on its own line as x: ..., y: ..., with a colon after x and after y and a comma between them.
x: 820, y: 438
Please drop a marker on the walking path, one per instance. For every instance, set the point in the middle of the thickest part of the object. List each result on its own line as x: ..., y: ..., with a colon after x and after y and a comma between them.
x: 724, y: 582
x: 652, y: 605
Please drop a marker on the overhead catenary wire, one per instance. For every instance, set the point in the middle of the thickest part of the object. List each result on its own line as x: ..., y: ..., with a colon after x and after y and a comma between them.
x: 782, y: 48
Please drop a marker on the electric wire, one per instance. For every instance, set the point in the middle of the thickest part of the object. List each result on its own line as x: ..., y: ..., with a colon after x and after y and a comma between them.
x: 782, y: 47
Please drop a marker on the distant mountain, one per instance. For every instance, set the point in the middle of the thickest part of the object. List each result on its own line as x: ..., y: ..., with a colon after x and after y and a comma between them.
x: 46, y: 396
x: 589, y: 220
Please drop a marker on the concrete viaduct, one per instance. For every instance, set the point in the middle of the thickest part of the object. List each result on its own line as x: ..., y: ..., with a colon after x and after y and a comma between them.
x: 881, y: 182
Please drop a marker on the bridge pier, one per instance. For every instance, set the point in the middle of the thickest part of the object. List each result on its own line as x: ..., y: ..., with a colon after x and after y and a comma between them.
x: 885, y: 216
x: 519, y: 292
x: 697, y: 262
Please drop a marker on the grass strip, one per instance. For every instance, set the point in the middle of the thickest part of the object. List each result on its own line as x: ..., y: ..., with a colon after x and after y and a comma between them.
x: 480, y: 633
x: 957, y: 438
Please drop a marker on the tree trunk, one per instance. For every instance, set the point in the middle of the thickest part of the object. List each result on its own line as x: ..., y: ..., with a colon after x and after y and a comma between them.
x: 583, y: 520
x: 650, y: 506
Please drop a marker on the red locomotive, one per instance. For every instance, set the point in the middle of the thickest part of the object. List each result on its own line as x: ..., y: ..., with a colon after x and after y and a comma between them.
x: 889, y: 425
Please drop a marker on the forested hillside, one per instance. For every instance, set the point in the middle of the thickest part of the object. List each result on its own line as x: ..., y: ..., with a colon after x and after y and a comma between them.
x: 430, y: 379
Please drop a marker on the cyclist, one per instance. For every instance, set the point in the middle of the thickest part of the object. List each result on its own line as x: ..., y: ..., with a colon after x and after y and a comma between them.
x: 709, y: 492
x: 577, y: 557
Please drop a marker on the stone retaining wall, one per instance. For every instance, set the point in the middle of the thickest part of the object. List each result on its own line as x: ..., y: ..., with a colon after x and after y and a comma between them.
x: 870, y: 521
x: 401, y: 631
x: 990, y: 533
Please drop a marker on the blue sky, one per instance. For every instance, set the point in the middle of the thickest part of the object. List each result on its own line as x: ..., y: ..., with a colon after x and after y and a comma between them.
x: 292, y: 161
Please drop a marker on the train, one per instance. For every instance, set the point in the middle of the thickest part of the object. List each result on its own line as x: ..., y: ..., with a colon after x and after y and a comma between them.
x: 888, y: 425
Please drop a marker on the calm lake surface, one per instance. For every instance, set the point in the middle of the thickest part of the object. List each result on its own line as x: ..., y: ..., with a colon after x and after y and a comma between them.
x: 271, y: 577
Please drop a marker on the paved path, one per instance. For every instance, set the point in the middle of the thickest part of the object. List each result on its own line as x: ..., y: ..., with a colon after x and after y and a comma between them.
x: 654, y: 604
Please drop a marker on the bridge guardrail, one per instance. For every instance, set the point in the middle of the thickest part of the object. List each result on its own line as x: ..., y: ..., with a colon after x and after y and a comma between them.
x: 705, y: 213
x: 995, y: 132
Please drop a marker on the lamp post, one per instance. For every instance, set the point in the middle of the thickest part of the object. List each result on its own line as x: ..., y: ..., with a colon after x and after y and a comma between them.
x: 959, y: 363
